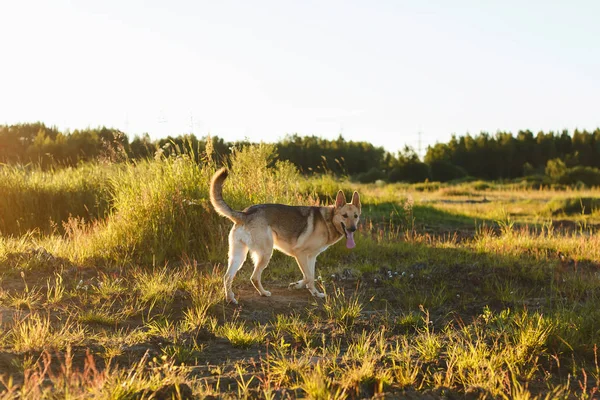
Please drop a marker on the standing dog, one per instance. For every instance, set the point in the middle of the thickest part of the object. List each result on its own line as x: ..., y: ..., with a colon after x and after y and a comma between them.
x: 302, y: 232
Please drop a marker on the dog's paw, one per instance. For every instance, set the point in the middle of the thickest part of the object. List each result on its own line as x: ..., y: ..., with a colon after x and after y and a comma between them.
x: 319, y: 295
x: 266, y: 293
x: 231, y: 300
x: 297, y: 285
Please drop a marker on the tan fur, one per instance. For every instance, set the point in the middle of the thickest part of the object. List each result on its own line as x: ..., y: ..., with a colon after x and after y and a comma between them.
x: 301, y: 232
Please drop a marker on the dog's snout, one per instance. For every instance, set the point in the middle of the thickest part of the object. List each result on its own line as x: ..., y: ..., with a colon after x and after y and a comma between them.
x: 352, y: 228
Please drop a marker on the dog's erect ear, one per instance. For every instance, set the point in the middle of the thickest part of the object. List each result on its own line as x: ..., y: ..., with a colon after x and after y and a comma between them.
x: 340, y: 200
x: 356, y: 201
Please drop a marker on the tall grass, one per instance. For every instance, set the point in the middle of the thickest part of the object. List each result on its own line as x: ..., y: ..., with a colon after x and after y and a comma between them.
x: 36, y: 199
x: 159, y: 209
x: 162, y: 209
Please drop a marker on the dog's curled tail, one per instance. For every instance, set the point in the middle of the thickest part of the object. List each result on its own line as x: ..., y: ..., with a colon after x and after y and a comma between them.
x: 216, y: 197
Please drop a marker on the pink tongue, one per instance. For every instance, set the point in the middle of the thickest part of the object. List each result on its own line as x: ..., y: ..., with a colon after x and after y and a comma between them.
x: 350, y: 240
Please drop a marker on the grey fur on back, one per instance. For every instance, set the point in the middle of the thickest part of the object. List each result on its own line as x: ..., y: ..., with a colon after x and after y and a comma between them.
x: 288, y: 222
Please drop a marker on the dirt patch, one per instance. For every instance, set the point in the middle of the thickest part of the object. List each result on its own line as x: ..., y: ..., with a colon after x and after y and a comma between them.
x: 6, y: 314
x: 254, y: 307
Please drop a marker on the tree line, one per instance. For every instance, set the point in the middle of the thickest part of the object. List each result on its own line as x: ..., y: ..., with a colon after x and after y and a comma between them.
x: 49, y: 147
x: 561, y: 156
x: 567, y: 158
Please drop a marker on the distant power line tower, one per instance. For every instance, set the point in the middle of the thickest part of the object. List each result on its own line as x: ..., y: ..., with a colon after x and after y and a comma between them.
x: 420, y: 145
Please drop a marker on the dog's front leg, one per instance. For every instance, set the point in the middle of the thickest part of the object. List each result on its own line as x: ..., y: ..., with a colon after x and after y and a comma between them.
x: 307, y: 265
x: 310, y: 281
x: 302, y: 261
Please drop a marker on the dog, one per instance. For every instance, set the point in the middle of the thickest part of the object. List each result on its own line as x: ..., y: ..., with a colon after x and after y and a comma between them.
x: 302, y: 232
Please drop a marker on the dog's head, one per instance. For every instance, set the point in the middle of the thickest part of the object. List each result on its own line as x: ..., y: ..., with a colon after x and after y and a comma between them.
x: 346, y: 216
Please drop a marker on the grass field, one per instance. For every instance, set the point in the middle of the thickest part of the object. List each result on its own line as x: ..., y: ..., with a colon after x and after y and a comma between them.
x: 110, y: 287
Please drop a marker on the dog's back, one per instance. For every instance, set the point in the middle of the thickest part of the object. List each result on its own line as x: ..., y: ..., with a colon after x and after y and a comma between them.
x: 285, y: 221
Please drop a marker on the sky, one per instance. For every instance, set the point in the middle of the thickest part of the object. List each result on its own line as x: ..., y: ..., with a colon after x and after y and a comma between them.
x: 392, y: 73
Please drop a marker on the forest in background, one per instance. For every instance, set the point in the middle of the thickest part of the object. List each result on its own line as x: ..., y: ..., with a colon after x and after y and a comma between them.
x: 546, y: 157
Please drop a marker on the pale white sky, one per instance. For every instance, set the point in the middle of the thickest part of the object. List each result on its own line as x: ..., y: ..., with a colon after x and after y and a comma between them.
x: 379, y: 71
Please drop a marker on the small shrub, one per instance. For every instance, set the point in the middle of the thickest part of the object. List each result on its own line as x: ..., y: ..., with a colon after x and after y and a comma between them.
x: 372, y: 175
x: 587, y: 176
x: 555, y: 169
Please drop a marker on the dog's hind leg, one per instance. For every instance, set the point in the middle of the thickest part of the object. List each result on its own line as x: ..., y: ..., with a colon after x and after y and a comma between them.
x: 261, y: 260
x: 261, y: 248
x: 237, y: 255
